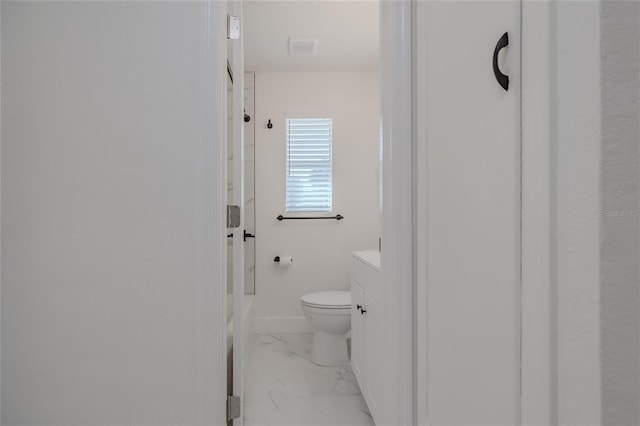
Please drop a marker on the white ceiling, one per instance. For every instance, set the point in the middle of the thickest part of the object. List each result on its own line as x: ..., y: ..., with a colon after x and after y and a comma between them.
x: 346, y: 30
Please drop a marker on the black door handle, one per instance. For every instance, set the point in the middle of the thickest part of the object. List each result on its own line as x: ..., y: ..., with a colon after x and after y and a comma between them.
x: 247, y: 235
x: 503, y: 79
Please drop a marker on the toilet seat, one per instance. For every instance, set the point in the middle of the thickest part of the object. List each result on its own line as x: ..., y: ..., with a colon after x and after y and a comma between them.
x: 327, y: 300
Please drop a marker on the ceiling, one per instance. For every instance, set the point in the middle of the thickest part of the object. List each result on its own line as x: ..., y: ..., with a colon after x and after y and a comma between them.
x: 346, y: 32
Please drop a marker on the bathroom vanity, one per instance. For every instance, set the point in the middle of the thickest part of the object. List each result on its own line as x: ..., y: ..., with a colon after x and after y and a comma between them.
x: 367, y: 328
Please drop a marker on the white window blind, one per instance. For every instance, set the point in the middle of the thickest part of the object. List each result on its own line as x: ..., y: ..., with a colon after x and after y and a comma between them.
x: 309, y: 165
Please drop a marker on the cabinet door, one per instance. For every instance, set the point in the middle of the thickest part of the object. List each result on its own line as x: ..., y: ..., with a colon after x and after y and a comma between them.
x: 357, y: 333
x: 374, y: 341
x: 472, y: 138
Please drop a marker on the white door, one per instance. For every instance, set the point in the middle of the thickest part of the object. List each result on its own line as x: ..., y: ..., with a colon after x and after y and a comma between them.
x: 472, y: 132
x: 236, y: 197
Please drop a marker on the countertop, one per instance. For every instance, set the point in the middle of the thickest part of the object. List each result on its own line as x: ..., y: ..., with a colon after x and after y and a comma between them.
x: 371, y: 258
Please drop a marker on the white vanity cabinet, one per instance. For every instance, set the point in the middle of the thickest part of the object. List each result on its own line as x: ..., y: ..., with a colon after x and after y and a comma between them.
x: 357, y: 331
x: 367, y: 329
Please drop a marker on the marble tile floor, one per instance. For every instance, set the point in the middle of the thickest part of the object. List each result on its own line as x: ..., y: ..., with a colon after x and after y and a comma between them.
x: 283, y: 387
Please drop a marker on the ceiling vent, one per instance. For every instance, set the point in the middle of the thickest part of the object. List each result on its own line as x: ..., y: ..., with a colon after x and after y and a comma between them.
x: 299, y: 46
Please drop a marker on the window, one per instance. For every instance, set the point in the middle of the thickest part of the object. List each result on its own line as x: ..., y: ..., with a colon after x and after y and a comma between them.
x: 309, y: 165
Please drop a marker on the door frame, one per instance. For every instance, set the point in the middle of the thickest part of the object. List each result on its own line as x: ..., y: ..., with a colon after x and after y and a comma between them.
x: 538, y: 388
x: 237, y: 67
x: 404, y: 221
x: 211, y: 295
x: 537, y: 322
x: 0, y: 203
x: 397, y: 265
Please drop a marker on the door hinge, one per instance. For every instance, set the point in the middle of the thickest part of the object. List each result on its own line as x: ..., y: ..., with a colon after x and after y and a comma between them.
x: 233, y: 216
x: 233, y: 407
x: 233, y: 27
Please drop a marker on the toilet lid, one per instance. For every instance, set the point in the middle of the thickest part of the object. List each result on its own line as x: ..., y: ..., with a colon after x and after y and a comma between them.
x: 329, y: 299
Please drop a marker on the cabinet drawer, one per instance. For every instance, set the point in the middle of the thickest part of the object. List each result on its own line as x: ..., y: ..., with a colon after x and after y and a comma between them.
x: 368, y: 278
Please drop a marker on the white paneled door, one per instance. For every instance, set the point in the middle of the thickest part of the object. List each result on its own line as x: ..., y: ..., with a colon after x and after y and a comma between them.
x: 473, y: 153
x: 235, y: 186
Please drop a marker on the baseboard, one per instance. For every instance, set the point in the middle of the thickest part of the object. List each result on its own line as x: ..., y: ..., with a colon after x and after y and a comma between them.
x: 281, y: 325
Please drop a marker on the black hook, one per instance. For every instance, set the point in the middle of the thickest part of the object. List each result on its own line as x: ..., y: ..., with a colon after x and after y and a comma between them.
x: 247, y: 118
x: 269, y: 124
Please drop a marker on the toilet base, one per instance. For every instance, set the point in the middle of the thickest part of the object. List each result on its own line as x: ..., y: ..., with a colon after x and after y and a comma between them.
x: 329, y: 350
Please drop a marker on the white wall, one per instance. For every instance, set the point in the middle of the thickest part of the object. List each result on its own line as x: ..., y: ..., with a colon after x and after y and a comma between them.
x: 320, y: 248
x: 109, y: 174
x: 597, y: 225
x: 249, y: 183
x: 620, y: 222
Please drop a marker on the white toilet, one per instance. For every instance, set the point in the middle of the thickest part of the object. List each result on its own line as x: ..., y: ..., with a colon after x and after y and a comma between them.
x: 329, y: 313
